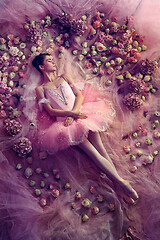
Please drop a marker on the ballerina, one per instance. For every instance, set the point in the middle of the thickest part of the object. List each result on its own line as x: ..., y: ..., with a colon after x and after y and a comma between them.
x: 62, y: 99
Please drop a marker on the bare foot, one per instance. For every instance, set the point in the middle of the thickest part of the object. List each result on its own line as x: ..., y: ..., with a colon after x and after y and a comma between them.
x: 127, y: 189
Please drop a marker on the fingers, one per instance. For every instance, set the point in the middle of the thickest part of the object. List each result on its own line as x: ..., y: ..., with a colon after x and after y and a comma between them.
x: 68, y: 121
x: 82, y: 115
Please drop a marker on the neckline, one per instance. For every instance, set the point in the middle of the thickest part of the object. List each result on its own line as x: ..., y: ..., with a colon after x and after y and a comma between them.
x: 54, y: 89
x: 62, y: 94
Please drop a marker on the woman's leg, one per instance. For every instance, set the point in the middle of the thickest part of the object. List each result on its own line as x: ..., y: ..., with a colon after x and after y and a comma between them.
x: 107, y: 167
x: 96, y: 141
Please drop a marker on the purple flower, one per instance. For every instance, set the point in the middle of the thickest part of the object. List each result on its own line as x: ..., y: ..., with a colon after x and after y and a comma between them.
x: 132, y: 101
x: 23, y: 146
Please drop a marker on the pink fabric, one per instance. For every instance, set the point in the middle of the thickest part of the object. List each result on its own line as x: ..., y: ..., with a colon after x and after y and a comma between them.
x: 99, y: 115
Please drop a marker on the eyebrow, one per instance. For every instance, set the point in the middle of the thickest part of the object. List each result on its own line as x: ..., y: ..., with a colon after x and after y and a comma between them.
x: 49, y: 58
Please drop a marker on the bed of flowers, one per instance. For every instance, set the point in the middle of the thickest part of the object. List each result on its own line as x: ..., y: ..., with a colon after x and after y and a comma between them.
x: 112, y: 52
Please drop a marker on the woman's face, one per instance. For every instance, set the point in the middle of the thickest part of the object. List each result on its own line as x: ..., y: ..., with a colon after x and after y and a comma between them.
x: 48, y: 64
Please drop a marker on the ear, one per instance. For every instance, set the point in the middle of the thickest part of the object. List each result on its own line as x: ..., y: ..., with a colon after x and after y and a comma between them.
x: 41, y: 67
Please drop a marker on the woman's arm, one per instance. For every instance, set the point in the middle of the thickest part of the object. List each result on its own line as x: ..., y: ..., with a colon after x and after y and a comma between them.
x: 78, y: 101
x: 79, y: 97
x: 56, y: 112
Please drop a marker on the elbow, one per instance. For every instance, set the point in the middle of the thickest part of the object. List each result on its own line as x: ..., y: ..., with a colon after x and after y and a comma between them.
x: 49, y: 110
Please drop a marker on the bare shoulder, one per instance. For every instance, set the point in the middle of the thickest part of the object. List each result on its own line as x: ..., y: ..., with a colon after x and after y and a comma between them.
x: 68, y: 78
x: 40, y: 91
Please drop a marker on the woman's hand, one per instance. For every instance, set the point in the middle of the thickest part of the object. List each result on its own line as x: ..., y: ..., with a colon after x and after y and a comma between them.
x: 68, y: 121
x: 78, y: 115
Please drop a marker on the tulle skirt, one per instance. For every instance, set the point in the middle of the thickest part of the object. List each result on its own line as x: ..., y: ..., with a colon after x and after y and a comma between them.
x: 100, y: 114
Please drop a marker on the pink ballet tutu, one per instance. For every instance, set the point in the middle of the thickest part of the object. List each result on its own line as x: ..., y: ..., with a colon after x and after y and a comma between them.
x: 100, y: 114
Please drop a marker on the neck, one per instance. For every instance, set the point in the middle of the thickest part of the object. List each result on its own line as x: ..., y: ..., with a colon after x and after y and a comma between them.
x: 49, y: 77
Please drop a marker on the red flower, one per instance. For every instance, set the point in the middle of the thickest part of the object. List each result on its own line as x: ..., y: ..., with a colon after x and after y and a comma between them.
x: 133, y: 51
x: 88, y: 65
x: 96, y: 24
x: 137, y: 55
x: 21, y: 74
x: 114, y: 19
x: 132, y: 60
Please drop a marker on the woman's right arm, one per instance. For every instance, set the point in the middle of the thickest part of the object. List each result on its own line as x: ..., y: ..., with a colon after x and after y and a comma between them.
x: 56, y: 112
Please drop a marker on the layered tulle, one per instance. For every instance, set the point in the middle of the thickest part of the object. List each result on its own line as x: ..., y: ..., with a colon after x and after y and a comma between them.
x: 100, y: 114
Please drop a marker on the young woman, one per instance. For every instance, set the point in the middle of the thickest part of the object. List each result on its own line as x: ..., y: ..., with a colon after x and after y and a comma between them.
x: 78, y: 122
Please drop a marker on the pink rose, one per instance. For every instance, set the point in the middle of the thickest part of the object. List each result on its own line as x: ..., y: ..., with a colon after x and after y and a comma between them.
x: 15, y: 68
x: 39, y: 42
x: 2, y: 40
x: 115, y: 50
x: 10, y: 37
x: 17, y: 40
x: 3, y: 114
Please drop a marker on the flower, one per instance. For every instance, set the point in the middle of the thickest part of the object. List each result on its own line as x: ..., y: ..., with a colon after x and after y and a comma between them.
x: 28, y: 172
x: 86, y: 203
x: 6, y: 56
x: 39, y: 42
x: 12, y: 127
x: 15, y: 68
x: 49, y: 50
x: 3, y: 114
x: 115, y: 50
x: 21, y: 74
x: 10, y: 37
x: 17, y: 40
x: 127, y: 149
x: 136, y: 85
x: 95, y: 210
x: 43, y: 202
x: 97, y: 24
x: 33, y: 49
x: 22, y: 45
x: 12, y: 75
x: 3, y: 47
x: 148, y: 66
x: 2, y: 40
x: 108, y: 38
x: 132, y: 101
x: 14, y: 51
x: 23, y: 147
x: 100, y: 47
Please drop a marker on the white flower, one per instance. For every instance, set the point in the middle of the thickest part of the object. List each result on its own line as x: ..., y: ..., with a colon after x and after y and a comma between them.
x: 4, y: 79
x: 6, y: 56
x: 48, y: 22
x: 12, y: 75
x: 3, y: 47
x: 14, y: 51
x: 33, y: 49
x: 22, y: 45
x: 5, y: 74
x: 20, y: 54
x: 10, y: 84
x: 39, y: 49
x: 23, y: 57
x: 48, y: 17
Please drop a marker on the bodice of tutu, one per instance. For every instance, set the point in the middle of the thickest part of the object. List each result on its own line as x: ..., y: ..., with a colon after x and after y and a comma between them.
x: 62, y: 97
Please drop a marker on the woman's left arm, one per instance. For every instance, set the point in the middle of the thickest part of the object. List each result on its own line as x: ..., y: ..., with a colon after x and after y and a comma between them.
x: 79, y: 97
x: 78, y: 101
